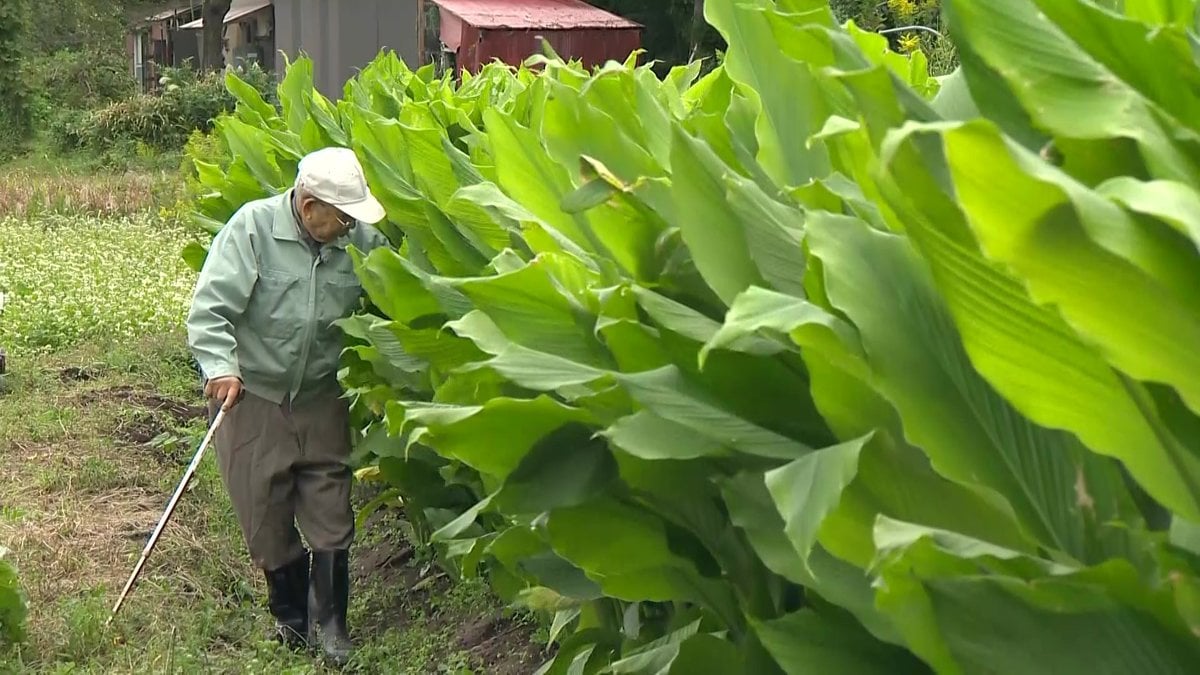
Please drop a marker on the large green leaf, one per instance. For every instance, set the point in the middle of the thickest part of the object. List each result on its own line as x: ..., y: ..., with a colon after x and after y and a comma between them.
x: 568, y: 467
x: 808, y: 489
x: 805, y: 642
x: 392, y: 287
x: 1064, y: 89
x: 790, y: 106
x: 250, y: 101
x: 758, y: 310
x: 655, y: 657
x: 970, y: 607
x: 530, y: 306
x: 1029, y: 352
x: 250, y: 144
x: 1134, y: 52
x: 667, y: 394
x: 708, y: 655
x: 752, y: 510
x: 626, y: 550
x: 713, y: 232
x: 13, y: 607
x: 492, y: 438
x: 526, y: 171
x: 1145, y: 271
x: 971, y: 434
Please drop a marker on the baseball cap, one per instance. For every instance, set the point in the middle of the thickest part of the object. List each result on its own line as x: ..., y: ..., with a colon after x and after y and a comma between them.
x: 335, y: 176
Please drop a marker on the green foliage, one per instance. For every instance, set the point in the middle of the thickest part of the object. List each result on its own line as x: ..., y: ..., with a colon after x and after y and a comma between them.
x: 12, y: 603
x: 14, y: 116
x: 76, y: 25
x: 813, y: 364
x: 895, y: 14
x: 76, y: 80
x: 669, y: 33
x: 189, y: 101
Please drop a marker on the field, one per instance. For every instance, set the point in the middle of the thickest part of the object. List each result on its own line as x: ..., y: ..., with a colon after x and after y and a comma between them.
x: 100, y: 414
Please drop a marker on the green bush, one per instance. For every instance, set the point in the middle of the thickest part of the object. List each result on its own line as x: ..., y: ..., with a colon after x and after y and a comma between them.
x: 187, y: 101
x: 75, y: 80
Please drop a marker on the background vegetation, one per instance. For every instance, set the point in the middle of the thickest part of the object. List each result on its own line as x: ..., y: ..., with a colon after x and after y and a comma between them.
x: 67, y: 92
x: 14, y: 113
x: 74, y: 100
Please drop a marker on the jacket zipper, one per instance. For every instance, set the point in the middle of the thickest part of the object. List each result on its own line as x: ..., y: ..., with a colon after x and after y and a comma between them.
x: 311, y: 319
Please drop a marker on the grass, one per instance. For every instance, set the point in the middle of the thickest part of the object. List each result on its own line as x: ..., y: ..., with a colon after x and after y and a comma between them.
x: 43, y: 181
x: 98, y: 419
x: 28, y: 193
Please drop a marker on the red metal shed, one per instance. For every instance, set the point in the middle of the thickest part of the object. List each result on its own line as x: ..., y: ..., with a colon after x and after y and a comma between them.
x: 478, y: 31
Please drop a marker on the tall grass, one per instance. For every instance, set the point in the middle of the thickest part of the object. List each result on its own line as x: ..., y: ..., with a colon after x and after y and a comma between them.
x: 28, y: 193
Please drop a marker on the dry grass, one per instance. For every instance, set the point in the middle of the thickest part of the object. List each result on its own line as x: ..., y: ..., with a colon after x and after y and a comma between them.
x: 28, y: 193
x: 76, y: 541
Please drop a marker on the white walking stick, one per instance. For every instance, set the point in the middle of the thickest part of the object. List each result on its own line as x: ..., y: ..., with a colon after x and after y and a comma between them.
x: 162, y: 522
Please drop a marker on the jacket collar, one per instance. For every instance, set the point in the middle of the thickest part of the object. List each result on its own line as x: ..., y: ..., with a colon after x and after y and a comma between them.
x: 286, y: 225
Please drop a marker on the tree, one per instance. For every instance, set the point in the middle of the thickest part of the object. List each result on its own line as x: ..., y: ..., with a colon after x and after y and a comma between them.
x: 212, y: 46
x: 698, y: 28
x: 675, y: 30
x: 14, y: 113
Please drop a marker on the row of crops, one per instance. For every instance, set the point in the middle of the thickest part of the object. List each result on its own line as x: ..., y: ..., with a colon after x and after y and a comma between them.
x: 812, y: 363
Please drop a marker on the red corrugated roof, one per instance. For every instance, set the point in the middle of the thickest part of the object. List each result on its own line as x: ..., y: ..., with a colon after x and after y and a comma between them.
x: 521, y: 14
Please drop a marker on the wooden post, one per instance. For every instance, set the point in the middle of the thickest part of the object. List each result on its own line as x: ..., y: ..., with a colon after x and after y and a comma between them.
x: 420, y: 33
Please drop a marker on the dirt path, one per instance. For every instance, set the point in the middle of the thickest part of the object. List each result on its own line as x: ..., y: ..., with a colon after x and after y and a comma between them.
x: 91, y: 446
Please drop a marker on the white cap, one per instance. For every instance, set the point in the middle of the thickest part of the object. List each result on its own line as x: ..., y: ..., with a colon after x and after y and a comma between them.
x: 335, y: 176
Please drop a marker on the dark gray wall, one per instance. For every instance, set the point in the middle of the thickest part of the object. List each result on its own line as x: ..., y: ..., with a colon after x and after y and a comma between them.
x: 342, y: 36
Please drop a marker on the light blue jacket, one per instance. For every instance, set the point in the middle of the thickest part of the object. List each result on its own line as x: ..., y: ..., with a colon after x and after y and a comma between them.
x: 266, y: 300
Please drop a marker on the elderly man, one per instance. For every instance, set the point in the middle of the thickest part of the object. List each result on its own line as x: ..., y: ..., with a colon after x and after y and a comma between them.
x: 260, y: 326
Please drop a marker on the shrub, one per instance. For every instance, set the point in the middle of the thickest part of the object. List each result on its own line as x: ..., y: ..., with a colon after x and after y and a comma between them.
x: 75, y: 80
x: 188, y: 101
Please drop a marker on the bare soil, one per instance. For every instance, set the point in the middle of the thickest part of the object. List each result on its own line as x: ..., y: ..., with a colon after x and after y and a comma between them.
x: 500, y: 643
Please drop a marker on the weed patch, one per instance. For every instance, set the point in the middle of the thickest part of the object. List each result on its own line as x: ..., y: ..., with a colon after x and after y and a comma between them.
x: 31, y: 193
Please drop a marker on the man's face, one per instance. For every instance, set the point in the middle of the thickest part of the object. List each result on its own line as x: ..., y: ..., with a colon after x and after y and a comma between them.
x: 323, y: 222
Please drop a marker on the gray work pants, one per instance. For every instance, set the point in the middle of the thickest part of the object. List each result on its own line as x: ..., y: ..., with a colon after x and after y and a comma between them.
x: 284, y: 466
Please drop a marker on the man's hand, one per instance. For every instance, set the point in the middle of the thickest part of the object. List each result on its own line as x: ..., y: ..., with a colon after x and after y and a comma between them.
x: 228, y: 390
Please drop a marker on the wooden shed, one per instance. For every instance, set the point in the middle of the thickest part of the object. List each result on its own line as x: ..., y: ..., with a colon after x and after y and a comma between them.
x: 159, y: 40
x: 479, y: 31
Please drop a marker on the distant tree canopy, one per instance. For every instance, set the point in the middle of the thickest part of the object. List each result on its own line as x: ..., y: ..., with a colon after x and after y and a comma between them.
x: 80, y: 25
x: 675, y: 30
x: 14, y: 118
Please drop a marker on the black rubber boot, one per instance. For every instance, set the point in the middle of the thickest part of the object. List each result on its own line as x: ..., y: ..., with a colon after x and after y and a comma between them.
x: 328, y: 601
x: 287, y: 597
